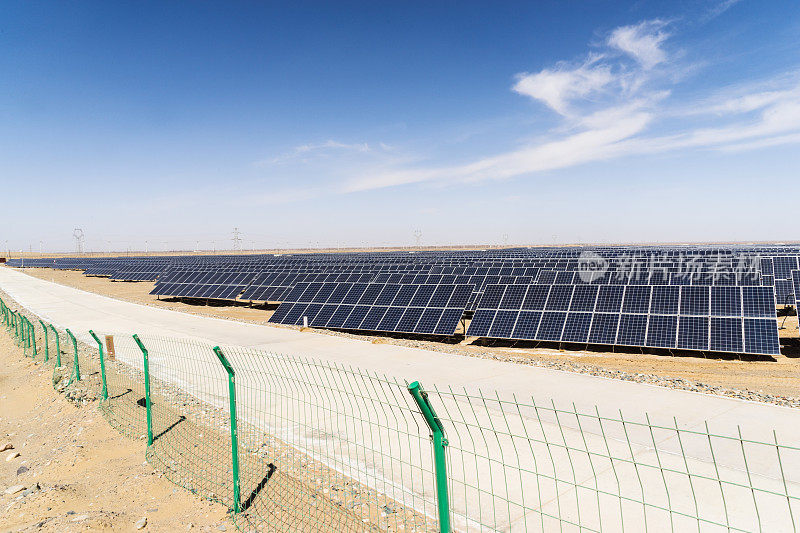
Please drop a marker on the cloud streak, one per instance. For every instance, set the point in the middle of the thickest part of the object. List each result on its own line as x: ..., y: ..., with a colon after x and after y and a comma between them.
x: 611, y: 106
x: 612, y: 103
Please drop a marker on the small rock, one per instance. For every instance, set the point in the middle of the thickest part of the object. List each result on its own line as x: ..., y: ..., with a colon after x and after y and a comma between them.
x: 6, y: 446
x: 15, y: 489
x: 12, y: 456
x: 189, y: 526
x: 80, y: 517
x: 222, y: 527
x: 141, y: 523
x: 28, y: 492
x: 22, y: 470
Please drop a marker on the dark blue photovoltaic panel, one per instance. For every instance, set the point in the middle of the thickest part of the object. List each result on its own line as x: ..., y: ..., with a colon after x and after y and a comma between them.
x: 726, y: 335
x: 559, y: 299
x: 279, y: 314
x: 662, y: 331
x: 338, y: 294
x: 584, y: 298
x: 726, y: 301
x: 387, y: 295
x: 295, y: 313
x: 761, y: 336
x: 324, y: 315
x: 796, y: 286
x: 339, y: 316
x: 503, y: 324
x: 551, y: 326
x: 373, y: 317
x: 758, y: 302
x: 632, y: 330
x: 546, y: 277
x: 410, y: 319
x: 695, y: 301
x: 441, y: 296
x: 430, y: 318
x: 609, y: 299
x: 355, y: 318
x: 664, y: 300
x: 637, y: 299
x: 693, y: 333
x: 576, y: 328
x: 423, y: 296
x: 460, y: 297
x: 353, y: 296
x: 371, y: 294
x: 512, y: 299
x: 536, y: 297
x: 404, y: 295
x: 391, y: 318
x: 604, y: 328
x: 784, y: 292
x: 527, y: 325
x: 449, y: 321
x: 309, y: 313
x: 481, y: 322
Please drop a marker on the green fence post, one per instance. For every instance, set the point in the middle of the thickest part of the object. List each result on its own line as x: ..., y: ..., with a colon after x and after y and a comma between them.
x: 147, y: 404
x: 234, y: 433
x: 33, y: 338
x: 102, y: 364
x: 58, y: 345
x: 75, y: 346
x: 439, y: 454
x: 46, y: 341
x: 21, y: 332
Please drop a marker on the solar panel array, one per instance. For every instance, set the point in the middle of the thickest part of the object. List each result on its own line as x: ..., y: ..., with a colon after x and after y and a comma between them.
x: 722, y: 319
x: 390, y: 307
x: 659, y: 272
x: 784, y: 287
x: 209, y: 284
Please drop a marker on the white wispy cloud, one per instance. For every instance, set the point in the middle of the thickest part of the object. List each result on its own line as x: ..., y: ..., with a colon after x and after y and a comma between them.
x: 323, y: 147
x: 612, y: 103
x: 643, y: 42
x: 558, y: 87
x: 721, y: 7
x: 611, y: 109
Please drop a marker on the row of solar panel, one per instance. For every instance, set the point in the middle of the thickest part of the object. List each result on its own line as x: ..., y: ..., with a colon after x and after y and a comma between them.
x: 736, y: 335
x: 211, y: 277
x: 382, y: 294
x: 751, y: 302
x: 209, y: 291
x: 135, y: 275
x: 577, y: 278
x: 421, y: 320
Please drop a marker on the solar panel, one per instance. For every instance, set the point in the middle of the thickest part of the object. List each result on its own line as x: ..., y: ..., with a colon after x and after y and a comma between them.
x: 691, y: 317
x: 391, y: 307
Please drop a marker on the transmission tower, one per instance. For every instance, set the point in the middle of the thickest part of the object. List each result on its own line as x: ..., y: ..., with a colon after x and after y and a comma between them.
x: 237, y: 240
x: 418, y: 236
x: 77, y: 234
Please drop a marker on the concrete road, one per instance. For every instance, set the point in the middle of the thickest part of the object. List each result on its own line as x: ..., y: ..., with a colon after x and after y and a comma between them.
x: 80, y: 311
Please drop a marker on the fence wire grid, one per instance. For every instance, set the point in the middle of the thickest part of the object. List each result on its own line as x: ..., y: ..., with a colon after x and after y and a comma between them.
x: 296, y: 444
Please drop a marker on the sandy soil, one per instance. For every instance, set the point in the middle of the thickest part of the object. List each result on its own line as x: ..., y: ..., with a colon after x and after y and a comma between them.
x: 780, y: 376
x: 80, y: 474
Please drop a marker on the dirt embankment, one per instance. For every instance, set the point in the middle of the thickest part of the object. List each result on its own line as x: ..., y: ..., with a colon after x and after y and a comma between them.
x: 74, y: 472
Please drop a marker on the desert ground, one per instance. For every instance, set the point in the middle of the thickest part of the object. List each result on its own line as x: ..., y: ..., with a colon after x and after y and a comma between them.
x: 74, y: 472
x: 774, y: 380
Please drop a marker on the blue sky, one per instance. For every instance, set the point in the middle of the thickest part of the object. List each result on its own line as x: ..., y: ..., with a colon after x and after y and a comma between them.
x: 360, y: 122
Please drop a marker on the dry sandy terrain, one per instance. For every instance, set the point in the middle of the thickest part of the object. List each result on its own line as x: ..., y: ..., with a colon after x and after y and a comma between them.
x: 79, y: 473
x: 780, y: 376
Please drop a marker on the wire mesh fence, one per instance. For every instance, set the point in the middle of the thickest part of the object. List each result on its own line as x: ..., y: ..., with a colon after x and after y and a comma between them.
x: 295, y: 444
